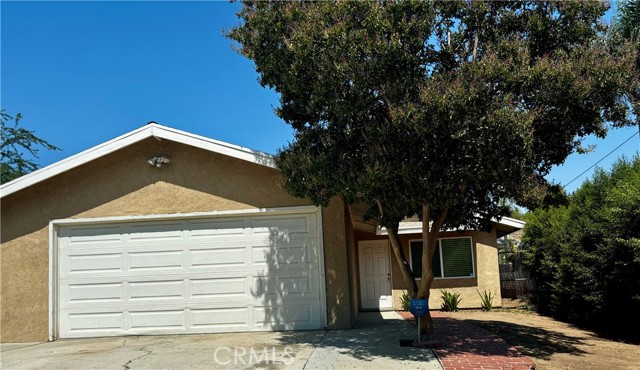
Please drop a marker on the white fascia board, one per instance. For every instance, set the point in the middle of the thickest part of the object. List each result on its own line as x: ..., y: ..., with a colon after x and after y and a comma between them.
x: 403, y: 228
x: 74, y: 161
x: 512, y: 222
x: 416, y: 227
x: 407, y: 228
x: 147, y: 131
x: 213, y: 145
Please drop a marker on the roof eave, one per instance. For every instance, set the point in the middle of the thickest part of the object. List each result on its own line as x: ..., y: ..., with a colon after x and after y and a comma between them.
x: 150, y: 130
x: 507, y: 226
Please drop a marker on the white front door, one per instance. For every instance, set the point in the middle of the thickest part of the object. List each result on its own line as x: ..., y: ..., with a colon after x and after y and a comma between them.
x: 375, y: 275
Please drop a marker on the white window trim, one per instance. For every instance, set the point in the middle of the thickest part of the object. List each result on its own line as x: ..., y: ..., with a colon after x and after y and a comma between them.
x: 442, y: 277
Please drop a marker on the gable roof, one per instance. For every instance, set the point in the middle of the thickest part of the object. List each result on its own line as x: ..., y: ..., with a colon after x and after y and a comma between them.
x: 152, y: 129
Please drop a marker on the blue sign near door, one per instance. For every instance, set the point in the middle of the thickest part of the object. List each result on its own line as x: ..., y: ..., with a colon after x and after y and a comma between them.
x: 419, y: 307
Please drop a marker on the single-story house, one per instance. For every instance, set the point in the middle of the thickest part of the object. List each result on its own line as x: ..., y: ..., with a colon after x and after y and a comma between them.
x: 160, y: 231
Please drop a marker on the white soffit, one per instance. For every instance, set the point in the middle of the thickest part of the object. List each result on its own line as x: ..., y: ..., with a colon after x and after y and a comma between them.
x: 413, y: 227
x: 512, y: 222
x: 152, y: 129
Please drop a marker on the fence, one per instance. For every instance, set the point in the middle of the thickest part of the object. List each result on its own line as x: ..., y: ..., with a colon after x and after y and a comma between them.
x: 515, y: 281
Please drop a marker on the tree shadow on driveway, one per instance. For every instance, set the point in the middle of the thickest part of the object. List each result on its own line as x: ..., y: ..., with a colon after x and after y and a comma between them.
x: 533, y: 341
x: 374, y: 341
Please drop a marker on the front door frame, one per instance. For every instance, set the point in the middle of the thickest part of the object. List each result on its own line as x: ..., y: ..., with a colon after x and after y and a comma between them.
x: 361, y: 244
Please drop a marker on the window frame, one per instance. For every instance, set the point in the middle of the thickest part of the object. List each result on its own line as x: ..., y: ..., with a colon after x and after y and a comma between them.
x: 439, y: 246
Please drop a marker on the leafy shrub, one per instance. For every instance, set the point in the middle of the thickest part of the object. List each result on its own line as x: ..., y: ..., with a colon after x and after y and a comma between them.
x: 450, y: 301
x: 486, y: 298
x: 405, y: 301
x: 585, y: 258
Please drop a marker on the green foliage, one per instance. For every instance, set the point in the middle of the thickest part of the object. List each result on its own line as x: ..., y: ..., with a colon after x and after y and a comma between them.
x: 518, y: 214
x: 450, y: 300
x: 14, y: 142
x: 405, y: 301
x: 512, y: 209
x: 627, y: 20
x: 396, y: 105
x: 435, y: 109
x: 585, y: 258
x: 626, y: 27
x: 486, y: 298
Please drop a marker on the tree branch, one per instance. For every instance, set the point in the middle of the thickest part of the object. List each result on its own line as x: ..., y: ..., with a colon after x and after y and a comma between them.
x: 475, y: 47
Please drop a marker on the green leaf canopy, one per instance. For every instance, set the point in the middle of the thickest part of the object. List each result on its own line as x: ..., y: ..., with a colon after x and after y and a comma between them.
x: 454, y: 105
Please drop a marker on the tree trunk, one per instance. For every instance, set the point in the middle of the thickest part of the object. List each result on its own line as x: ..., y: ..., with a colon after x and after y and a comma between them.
x: 429, y: 243
x: 405, y: 268
x: 398, y: 251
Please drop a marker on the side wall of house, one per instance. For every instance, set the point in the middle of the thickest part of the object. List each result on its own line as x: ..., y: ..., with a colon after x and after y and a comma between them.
x: 123, y: 184
x: 353, y: 266
x: 336, y: 266
x: 485, y: 259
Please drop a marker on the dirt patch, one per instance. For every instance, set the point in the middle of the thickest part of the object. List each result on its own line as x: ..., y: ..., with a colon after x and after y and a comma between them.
x: 514, y: 303
x: 553, y: 344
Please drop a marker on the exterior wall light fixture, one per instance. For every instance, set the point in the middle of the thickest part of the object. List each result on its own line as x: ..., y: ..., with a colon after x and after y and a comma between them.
x: 158, y: 161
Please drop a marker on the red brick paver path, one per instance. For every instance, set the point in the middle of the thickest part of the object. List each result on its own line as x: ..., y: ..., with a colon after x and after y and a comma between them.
x: 466, y: 346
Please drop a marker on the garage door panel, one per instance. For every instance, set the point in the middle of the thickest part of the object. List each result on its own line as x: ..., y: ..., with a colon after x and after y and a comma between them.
x: 273, y: 317
x: 219, y: 287
x: 238, y: 273
x: 222, y: 256
x: 219, y: 228
x: 168, y: 320
x: 284, y: 253
x: 215, y: 318
x: 93, y: 293
x: 154, y: 319
x: 157, y: 231
x: 93, y: 322
x: 156, y: 290
x: 288, y: 224
x: 284, y: 284
x: 292, y: 286
x: 90, y: 235
x: 170, y: 274
x: 283, y: 228
x: 170, y: 259
x: 92, y: 263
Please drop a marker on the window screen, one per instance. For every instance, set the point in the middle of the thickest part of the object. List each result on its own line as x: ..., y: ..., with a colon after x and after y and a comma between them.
x: 416, y: 259
x: 456, y: 257
x: 457, y: 260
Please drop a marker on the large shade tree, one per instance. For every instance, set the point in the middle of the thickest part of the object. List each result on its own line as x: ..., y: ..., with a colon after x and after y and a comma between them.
x: 435, y: 109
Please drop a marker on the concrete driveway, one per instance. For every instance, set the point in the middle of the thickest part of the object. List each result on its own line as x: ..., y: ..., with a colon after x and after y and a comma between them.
x: 372, y: 344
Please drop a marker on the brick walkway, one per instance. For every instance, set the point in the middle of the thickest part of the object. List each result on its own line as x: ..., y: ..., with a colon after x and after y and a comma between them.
x: 466, y: 346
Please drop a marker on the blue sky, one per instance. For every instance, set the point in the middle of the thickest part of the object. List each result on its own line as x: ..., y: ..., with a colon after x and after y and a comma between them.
x: 82, y: 73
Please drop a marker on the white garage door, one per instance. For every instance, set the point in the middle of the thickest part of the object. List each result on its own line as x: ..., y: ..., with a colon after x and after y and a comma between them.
x: 241, y: 273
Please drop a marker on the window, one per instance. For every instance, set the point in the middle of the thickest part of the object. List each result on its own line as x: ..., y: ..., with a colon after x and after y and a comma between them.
x: 453, y: 258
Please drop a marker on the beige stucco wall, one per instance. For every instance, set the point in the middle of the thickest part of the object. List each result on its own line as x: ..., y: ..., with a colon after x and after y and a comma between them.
x: 122, y: 184
x: 336, y: 266
x: 352, y: 263
x: 487, y: 277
